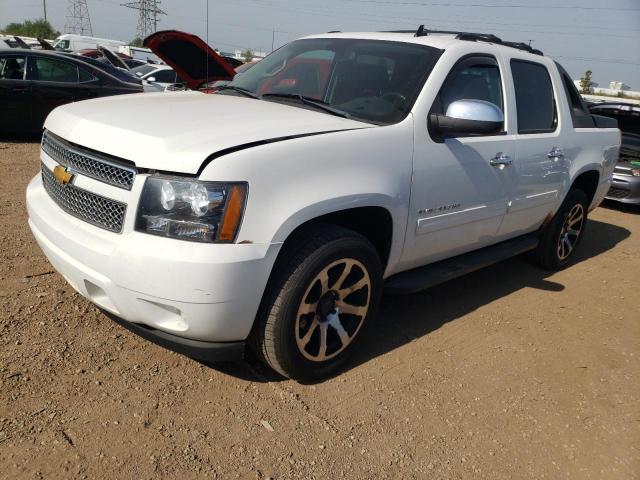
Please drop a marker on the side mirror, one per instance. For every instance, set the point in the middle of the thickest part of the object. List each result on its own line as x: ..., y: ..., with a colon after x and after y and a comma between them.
x: 150, y: 79
x: 468, y: 117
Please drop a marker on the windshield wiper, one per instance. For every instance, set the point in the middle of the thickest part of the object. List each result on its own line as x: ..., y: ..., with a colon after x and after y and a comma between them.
x: 310, y: 101
x: 244, y: 91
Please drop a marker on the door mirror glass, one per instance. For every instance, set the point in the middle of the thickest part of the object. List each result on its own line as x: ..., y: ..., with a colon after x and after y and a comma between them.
x: 151, y: 79
x: 469, y: 117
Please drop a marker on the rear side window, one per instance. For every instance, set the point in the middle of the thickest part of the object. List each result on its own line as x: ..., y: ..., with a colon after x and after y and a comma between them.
x: 535, y: 102
x: 50, y: 70
x: 85, y: 76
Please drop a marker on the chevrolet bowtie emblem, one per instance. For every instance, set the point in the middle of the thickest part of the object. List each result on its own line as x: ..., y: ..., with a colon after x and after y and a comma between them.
x: 61, y: 175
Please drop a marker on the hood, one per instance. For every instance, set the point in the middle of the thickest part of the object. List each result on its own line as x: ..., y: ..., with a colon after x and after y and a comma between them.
x: 177, y: 132
x: 193, y: 60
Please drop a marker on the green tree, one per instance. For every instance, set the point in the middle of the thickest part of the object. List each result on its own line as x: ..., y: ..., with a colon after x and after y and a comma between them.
x: 247, y: 55
x: 32, y: 28
x: 136, y: 42
x: 585, y: 82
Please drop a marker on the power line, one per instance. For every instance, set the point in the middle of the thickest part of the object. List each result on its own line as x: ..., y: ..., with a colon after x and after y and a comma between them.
x: 148, y: 19
x: 409, y: 22
x: 78, y: 20
x: 484, y: 5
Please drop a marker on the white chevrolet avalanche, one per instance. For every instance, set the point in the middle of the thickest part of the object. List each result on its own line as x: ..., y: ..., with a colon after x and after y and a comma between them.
x: 271, y: 214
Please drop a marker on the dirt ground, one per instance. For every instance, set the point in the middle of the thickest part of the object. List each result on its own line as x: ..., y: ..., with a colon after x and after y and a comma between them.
x: 510, y: 372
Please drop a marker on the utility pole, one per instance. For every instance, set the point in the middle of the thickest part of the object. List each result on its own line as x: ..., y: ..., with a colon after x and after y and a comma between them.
x: 44, y: 5
x: 530, y: 42
x: 148, y: 19
x: 78, y: 20
x: 273, y: 38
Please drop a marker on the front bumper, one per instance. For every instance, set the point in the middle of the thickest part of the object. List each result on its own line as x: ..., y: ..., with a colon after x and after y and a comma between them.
x: 196, y: 349
x: 202, y: 292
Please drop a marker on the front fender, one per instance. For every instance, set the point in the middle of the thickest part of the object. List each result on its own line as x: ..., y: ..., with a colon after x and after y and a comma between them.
x: 294, y: 181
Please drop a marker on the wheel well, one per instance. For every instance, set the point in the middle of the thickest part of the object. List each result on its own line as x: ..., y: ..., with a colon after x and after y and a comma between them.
x: 373, y: 223
x: 588, y: 183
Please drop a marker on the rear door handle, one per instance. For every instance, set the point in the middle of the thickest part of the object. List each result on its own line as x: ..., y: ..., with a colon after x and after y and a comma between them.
x: 556, y: 153
x: 19, y: 89
x: 500, y: 160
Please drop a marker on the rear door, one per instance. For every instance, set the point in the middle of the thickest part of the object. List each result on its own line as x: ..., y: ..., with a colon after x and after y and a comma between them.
x: 55, y: 82
x: 15, y: 93
x: 541, y: 168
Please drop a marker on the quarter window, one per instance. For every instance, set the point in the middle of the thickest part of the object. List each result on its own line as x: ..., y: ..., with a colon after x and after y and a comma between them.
x: 12, y: 68
x: 535, y: 102
x: 49, y: 70
x: 580, y: 117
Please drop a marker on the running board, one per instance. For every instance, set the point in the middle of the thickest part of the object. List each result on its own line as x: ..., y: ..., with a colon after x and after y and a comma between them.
x: 427, y: 276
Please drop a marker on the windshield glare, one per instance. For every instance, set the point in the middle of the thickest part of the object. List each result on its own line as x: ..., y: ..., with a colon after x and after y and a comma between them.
x: 373, y: 80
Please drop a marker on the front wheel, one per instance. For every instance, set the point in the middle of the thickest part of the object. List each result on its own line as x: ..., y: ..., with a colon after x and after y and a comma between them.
x: 318, y: 303
x: 561, y: 237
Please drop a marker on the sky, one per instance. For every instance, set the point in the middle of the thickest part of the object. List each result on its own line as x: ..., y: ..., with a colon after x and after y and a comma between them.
x: 602, y: 36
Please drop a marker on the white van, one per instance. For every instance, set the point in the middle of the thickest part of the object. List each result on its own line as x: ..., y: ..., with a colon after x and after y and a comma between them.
x: 76, y: 43
x: 140, y: 53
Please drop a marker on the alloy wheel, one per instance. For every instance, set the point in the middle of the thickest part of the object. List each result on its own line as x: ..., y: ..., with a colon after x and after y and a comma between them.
x: 333, y: 309
x: 571, y: 231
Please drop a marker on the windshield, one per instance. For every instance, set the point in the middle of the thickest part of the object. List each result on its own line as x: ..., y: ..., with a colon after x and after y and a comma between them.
x: 373, y: 80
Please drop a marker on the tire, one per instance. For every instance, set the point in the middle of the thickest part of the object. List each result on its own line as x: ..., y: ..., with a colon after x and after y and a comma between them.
x: 559, y: 240
x: 324, y: 290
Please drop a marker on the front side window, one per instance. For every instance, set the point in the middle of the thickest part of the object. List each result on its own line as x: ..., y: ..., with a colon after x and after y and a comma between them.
x: 535, y: 102
x: 372, y: 80
x: 12, y: 67
x: 475, y: 80
x: 52, y: 70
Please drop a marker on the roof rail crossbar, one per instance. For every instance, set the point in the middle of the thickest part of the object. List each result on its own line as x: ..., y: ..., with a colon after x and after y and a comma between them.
x: 477, y: 37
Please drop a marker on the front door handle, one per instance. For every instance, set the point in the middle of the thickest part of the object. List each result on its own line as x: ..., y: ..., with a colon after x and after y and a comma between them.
x: 556, y: 153
x: 500, y: 160
x: 19, y: 89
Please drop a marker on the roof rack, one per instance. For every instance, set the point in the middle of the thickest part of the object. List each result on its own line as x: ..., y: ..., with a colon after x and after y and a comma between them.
x: 477, y: 37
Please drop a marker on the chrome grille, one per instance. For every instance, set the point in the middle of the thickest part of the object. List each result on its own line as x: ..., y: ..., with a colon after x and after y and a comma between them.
x: 619, y: 193
x: 83, y: 162
x: 95, y: 209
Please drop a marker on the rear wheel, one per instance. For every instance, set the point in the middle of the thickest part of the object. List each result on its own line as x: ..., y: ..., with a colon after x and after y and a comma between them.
x: 563, y: 234
x: 318, y: 303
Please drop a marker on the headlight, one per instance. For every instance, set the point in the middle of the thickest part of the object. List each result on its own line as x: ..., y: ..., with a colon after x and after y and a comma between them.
x: 191, y: 209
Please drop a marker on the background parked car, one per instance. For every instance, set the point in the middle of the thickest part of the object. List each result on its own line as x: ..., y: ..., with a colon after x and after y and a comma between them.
x: 626, y: 176
x: 34, y: 82
x: 156, y: 78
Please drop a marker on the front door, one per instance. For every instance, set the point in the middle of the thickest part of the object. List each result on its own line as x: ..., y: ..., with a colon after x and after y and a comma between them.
x: 459, y: 192
x: 15, y: 94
